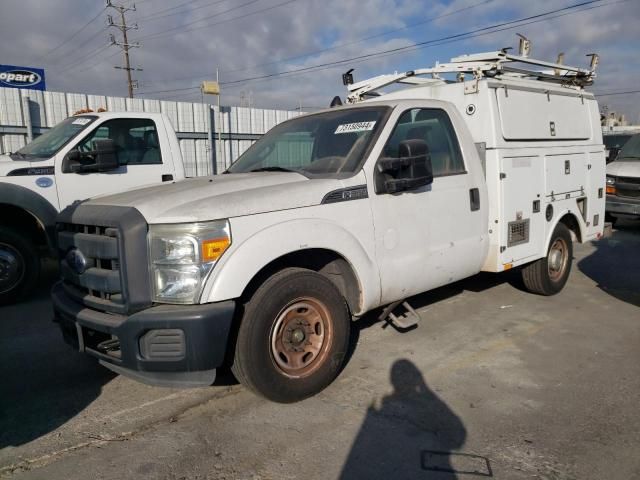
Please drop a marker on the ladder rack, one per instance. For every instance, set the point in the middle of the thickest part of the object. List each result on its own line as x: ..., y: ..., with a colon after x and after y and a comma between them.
x: 489, y: 64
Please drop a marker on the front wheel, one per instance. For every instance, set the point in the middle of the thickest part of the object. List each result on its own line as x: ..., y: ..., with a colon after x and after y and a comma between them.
x: 293, y: 337
x: 19, y: 265
x: 548, y: 275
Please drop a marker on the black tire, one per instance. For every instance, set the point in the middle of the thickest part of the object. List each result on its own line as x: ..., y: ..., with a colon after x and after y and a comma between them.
x: 294, y: 313
x: 19, y: 265
x: 548, y: 275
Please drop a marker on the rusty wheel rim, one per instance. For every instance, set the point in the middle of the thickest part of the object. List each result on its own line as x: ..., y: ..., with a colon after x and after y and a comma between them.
x: 301, y: 337
x: 557, y: 259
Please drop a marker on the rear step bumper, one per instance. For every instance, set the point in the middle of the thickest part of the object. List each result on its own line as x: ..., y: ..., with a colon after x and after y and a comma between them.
x: 167, y: 345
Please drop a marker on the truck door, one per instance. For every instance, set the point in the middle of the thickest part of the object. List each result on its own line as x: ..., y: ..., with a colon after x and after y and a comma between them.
x: 430, y: 236
x: 139, y: 152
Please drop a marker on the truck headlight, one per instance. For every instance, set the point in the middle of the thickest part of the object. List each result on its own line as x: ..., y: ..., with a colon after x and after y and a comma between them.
x: 611, y: 185
x: 182, y: 255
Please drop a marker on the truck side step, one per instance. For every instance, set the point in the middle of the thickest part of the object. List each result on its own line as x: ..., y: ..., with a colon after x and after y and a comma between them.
x: 409, y: 318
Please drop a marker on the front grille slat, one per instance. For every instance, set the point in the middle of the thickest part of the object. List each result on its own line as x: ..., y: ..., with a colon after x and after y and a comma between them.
x: 99, y: 286
x: 96, y: 246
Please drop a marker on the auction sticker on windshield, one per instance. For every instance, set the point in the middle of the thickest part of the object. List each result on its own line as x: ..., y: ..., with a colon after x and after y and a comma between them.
x: 354, y: 127
x: 81, y: 121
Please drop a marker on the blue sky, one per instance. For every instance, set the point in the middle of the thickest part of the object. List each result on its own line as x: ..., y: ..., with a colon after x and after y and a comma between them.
x: 184, y: 41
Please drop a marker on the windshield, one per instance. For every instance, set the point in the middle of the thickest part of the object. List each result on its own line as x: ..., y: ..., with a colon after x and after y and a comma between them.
x: 48, y: 144
x: 631, y: 149
x: 615, y: 141
x: 330, y: 143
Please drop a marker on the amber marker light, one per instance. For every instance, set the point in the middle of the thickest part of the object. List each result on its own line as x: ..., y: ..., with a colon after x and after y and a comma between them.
x: 214, y: 248
x: 611, y: 190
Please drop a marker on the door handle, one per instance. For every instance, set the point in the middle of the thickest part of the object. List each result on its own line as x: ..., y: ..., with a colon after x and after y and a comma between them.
x: 167, y: 177
x: 474, y: 199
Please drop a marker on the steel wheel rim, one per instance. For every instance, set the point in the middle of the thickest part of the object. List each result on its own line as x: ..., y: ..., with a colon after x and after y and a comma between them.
x: 301, y: 337
x: 557, y: 259
x: 12, y: 268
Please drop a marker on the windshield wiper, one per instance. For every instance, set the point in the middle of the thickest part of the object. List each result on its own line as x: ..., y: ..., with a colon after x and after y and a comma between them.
x: 628, y: 156
x: 272, y: 169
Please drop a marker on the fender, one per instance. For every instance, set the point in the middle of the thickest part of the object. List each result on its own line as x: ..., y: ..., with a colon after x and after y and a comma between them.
x: 556, y: 220
x: 241, y: 263
x: 38, y: 206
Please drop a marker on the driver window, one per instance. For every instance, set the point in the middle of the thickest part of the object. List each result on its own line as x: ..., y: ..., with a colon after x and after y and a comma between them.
x: 136, y: 140
x: 434, y: 127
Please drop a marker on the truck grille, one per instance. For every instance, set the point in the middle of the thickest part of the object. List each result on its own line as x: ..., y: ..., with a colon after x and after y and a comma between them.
x: 90, y: 265
x: 628, y: 187
x: 103, y: 257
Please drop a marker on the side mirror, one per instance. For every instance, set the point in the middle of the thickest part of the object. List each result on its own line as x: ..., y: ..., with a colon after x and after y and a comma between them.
x: 411, y: 170
x: 105, y: 155
x: 102, y: 158
x: 613, y: 153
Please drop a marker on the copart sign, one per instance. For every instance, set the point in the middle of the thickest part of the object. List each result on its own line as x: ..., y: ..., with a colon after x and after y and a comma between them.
x: 22, y: 77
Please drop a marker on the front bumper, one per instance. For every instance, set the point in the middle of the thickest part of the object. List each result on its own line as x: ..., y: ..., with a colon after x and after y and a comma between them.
x: 622, y: 205
x: 167, y: 345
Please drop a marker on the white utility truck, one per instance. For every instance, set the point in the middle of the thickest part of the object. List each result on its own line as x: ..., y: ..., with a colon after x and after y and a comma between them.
x: 82, y: 156
x: 331, y: 215
x: 623, y: 182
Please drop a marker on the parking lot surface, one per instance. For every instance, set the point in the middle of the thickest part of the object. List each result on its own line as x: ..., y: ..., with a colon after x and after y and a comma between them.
x: 494, y: 383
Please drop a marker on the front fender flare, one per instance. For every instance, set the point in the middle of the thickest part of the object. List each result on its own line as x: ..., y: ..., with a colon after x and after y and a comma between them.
x: 38, y: 206
x: 242, y: 262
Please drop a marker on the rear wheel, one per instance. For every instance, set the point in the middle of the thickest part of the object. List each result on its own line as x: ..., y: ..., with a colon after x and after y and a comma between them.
x: 19, y: 265
x: 548, y: 275
x: 293, y: 337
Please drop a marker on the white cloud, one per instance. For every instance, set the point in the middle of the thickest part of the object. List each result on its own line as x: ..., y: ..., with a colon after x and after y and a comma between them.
x: 303, y: 26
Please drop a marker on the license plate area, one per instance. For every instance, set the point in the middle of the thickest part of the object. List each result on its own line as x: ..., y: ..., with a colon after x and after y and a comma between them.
x: 100, y: 344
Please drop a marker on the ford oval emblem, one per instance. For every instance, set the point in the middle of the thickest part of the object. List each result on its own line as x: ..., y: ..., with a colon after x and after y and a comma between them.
x: 76, y: 260
x: 44, y: 182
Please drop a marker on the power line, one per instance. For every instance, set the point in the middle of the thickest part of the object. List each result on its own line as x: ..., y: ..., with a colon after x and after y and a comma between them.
x: 181, y: 27
x: 335, y: 47
x: 157, y: 16
x: 609, y: 94
x: 419, y: 44
x: 171, y: 90
x: 74, y: 64
x: 80, y: 30
x: 448, y: 39
x: 436, y: 43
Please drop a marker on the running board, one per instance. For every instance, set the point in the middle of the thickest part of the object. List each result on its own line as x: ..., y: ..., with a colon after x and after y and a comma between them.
x: 408, y: 319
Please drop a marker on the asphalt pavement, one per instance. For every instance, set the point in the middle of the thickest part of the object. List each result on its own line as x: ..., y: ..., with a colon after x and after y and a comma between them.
x: 494, y: 383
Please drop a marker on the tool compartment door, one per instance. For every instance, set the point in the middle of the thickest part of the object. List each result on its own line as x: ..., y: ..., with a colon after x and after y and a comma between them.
x: 522, y: 206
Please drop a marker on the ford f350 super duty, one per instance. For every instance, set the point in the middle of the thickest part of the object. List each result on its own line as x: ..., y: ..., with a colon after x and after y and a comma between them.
x: 83, y: 156
x: 333, y: 214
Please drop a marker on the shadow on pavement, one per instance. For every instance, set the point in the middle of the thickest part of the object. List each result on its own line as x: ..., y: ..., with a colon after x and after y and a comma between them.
x: 411, y: 434
x: 615, y: 265
x: 44, y: 382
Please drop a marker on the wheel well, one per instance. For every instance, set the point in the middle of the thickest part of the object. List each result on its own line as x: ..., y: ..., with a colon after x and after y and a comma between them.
x: 571, y: 222
x: 25, y: 222
x: 326, y: 262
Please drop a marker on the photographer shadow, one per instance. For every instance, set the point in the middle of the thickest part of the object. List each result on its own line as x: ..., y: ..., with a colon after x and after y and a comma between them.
x: 412, y: 433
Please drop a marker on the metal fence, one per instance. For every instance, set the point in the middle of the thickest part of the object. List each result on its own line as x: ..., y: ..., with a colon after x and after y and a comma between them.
x: 27, y: 113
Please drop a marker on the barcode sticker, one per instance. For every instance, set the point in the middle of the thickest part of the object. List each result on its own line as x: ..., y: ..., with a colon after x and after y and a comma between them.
x: 355, y: 127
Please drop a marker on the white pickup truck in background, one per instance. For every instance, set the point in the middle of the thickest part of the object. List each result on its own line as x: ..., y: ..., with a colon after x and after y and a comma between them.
x: 623, y: 182
x: 82, y: 156
x: 331, y: 215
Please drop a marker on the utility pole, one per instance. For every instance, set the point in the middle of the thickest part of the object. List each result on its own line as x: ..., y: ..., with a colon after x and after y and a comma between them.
x: 125, y: 45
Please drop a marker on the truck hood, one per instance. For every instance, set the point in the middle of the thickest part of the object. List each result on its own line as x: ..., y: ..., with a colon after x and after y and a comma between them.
x: 8, y: 165
x: 222, y: 196
x: 622, y: 168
